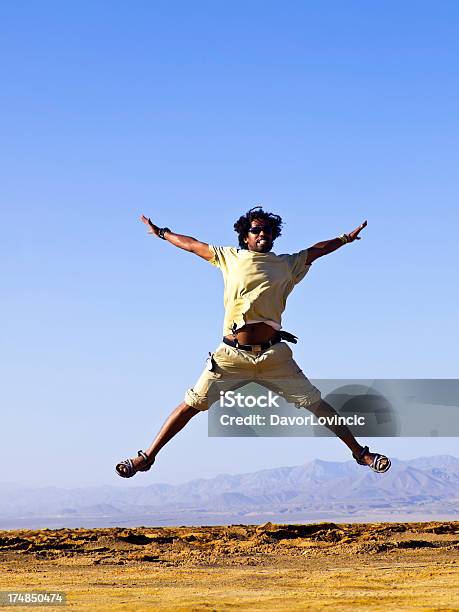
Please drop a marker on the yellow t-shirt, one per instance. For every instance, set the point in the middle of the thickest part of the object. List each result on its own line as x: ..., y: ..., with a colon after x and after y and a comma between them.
x: 256, y: 284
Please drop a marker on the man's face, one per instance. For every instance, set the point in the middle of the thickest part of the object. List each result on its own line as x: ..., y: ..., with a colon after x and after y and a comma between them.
x: 260, y: 239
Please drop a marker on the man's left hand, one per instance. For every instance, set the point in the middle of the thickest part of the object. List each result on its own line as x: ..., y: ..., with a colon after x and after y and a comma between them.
x: 355, y: 234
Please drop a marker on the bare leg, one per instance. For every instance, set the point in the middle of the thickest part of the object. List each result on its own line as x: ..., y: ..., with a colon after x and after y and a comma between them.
x: 323, y: 409
x: 174, y: 423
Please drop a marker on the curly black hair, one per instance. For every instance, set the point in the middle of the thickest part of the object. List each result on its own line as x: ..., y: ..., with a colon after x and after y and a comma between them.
x: 243, y: 224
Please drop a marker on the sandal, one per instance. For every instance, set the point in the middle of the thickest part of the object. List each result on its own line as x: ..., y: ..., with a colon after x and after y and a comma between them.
x: 128, y: 469
x: 380, y: 463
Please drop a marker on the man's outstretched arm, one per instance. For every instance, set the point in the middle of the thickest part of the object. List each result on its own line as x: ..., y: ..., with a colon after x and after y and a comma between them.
x: 186, y: 243
x: 328, y: 246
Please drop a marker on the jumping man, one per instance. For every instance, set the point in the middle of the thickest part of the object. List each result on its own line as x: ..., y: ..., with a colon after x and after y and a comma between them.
x: 257, y: 283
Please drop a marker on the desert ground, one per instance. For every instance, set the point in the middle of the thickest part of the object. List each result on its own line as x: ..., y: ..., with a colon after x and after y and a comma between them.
x: 326, y: 566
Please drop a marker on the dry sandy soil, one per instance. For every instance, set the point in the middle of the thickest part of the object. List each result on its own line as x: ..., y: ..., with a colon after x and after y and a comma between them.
x: 379, y: 566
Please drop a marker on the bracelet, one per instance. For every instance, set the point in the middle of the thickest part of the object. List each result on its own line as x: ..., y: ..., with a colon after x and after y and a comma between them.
x: 161, y: 232
x: 344, y: 238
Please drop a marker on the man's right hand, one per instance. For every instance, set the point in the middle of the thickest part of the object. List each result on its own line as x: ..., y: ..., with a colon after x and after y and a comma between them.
x: 152, y: 228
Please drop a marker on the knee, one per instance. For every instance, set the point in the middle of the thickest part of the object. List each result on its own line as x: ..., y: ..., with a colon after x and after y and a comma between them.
x: 188, y: 410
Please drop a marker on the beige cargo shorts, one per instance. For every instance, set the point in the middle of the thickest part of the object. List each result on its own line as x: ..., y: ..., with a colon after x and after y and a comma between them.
x: 274, y: 368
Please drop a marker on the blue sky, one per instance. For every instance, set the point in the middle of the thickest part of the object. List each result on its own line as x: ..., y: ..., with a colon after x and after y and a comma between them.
x: 327, y: 113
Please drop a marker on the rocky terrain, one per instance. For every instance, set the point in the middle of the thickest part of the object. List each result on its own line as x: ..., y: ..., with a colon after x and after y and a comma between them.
x: 376, y: 566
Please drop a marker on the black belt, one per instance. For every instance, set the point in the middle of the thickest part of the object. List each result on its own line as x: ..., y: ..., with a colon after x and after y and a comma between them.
x: 256, y: 348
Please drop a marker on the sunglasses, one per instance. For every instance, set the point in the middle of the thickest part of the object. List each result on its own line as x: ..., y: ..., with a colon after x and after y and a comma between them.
x: 256, y: 229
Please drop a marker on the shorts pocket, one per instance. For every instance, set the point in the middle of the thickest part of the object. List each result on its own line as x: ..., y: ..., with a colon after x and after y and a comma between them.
x: 212, y: 367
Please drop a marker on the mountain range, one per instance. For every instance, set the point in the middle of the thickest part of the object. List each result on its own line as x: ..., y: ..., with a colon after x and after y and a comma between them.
x: 426, y: 488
